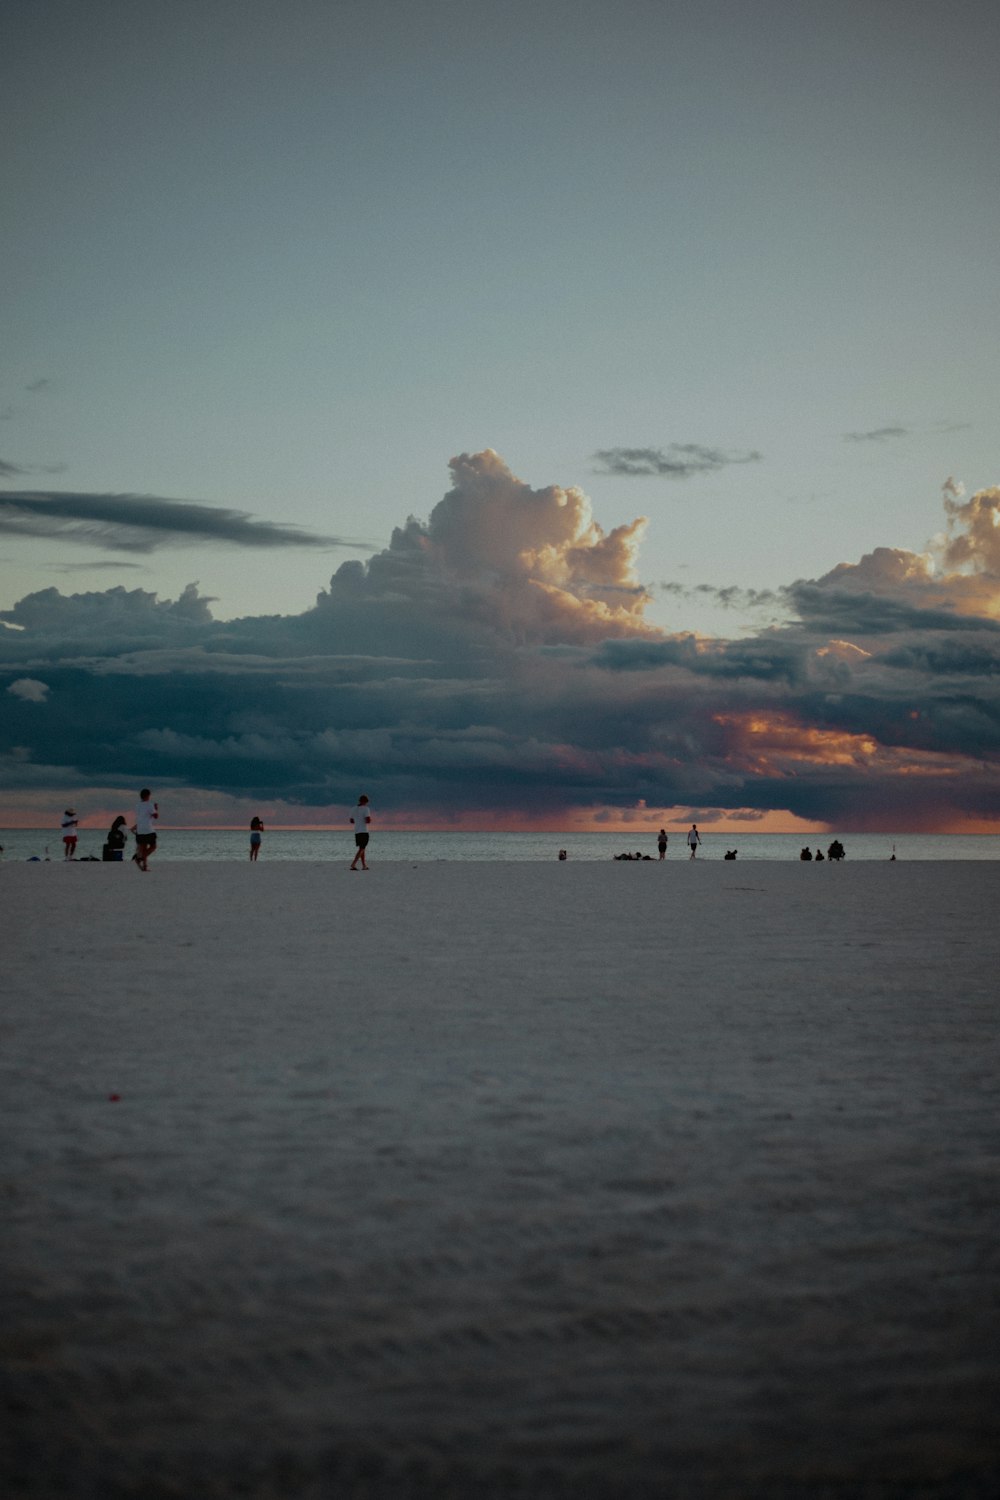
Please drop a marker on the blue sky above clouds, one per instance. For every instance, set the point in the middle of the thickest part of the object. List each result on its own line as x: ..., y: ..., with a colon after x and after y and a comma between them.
x: 725, y: 267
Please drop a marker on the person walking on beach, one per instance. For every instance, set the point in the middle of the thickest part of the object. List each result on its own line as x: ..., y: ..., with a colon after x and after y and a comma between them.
x: 256, y: 829
x: 694, y: 839
x: 661, y: 843
x: 144, y: 828
x: 361, y: 819
x: 69, y: 825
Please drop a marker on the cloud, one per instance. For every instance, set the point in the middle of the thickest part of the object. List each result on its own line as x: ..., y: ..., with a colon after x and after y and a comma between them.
x: 496, y: 555
x: 877, y: 435
x: 495, y: 659
x: 29, y: 690
x: 38, y: 387
x: 142, y: 523
x: 975, y: 532
x: 678, y: 461
x: 10, y: 471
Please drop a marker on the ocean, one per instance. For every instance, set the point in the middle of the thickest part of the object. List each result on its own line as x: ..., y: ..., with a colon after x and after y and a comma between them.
x: 421, y: 848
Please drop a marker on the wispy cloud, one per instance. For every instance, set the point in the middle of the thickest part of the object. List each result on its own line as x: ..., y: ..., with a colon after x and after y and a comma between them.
x: 38, y: 387
x: 877, y: 435
x: 141, y: 523
x: 11, y: 471
x: 678, y: 461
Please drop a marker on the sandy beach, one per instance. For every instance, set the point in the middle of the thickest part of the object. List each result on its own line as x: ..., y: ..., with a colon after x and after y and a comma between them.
x: 445, y: 1180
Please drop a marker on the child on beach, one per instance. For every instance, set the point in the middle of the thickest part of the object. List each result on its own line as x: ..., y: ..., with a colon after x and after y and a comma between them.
x: 69, y: 825
x: 361, y: 819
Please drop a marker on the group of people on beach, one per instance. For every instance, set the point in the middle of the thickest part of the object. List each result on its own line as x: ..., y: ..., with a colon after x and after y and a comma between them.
x: 147, y: 813
x: 835, y: 852
x: 692, y: 839
x: 145, y: 819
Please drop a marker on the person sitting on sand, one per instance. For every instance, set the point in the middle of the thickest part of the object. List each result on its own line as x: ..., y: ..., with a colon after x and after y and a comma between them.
x: 114, y: 844
x: 562, y: 853
x: 256, y: 829
x: 806, y: 854
x: 729, y: 854
x: 819, y: 855
x: 361, y: 820
x: 836, y: 850
x: 69, y: 825
x: 144, y: 828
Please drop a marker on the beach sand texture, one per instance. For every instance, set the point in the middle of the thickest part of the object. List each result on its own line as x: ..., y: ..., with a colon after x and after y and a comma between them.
x: 500, y: 1180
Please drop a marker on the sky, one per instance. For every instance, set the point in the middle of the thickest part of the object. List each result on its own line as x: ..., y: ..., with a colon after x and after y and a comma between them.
x: 534, y: 415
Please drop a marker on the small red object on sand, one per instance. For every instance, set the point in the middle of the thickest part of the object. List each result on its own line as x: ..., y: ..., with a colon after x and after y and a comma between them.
x: 114, y: 1098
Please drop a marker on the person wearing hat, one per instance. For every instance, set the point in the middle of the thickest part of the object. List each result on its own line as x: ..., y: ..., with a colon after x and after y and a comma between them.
x: 69, y: 824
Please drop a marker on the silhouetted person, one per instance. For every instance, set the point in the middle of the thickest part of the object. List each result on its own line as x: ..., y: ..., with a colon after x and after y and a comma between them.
x: 729, y: 854
x: 693, y: 839
x: 836, y: 850
x: 819, y: 854
x: 144, y: 828
x: 69, y: 824
x: 806, y: 854
x: 114, y: 844
x: 256, y: 829
x: 562, y: 853
x: 361, y: 820
x: 661, y: 843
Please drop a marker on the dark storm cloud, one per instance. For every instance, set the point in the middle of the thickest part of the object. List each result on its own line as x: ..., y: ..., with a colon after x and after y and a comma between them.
x: 876, y: 435
x: 141, y: 523
x: 496, y: 657
x: 678, y: 461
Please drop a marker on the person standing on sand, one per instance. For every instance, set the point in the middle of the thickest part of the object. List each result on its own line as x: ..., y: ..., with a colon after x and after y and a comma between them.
x: 256, y: 829
x: 144, y: 828
x: 661, y: 843
x: 69, y: 824
x: 361, y: 820
x: 694, y: 839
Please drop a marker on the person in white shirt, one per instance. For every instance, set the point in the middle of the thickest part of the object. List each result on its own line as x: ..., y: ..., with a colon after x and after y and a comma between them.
x: 694, y: 839
x: 144, y: 828
x: 361, y: 820
x: 69, y: 823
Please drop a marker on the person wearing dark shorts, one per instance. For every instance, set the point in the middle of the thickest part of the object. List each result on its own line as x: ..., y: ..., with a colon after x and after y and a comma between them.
x: 361, y: 819
x: 144, y: 828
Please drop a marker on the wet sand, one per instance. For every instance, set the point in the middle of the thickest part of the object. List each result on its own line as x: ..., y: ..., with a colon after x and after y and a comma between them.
x: 523, y: 1180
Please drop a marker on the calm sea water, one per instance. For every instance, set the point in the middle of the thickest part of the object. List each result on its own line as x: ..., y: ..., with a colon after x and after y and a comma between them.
x: 386, y: 845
